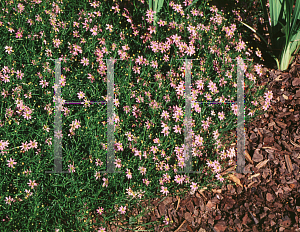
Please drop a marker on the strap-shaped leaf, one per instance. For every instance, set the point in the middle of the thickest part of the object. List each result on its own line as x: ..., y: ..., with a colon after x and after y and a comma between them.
x: 295, y: 26
x: 155, y: 5
x: 161, y: 3
x: 275, y: 9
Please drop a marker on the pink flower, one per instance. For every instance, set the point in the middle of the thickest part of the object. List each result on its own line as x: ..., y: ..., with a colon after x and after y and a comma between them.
x: 101, y: 229
x: 71, y: 168
x: 221, y: 115
x: 122, y: 209
x: 25, y: 146
x: 120, y: 147
x: 11, y: 162
x: 9, y: 200
x: 109, y: 27
x: 21, y: 7
x: 165, y: 115
x: 166, y: 131
x: 177, y: 129
x: 27, y: 115
x: 105, y: 184
x: 19, y: 35
x: 3, y: 144
x: 194, y: 186
x: 43, y: 83
x: 118, y: 163
x: 58, y: 134
x: 32, y: 184
x: 164, y: 190
x: 81, y: 95
x: 219, y: 177
x: 146, y: 182
x: 84, y: 61
x: 167, y: 220
x: 205, y: 125
x: 129, y: 175
x: 56, y: 43
x: 100, y: 210
x: 268, y: 96
x: 95, y: 4
x: 139, y: 60
x: 76, y: 123
x: 97, y: 175
x: 179, y: 179
x: 142, y: 170
x: 8, y: 49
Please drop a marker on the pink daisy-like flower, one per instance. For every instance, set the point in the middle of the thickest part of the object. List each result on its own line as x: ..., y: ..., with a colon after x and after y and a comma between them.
x: 8, y: 49
x: 97, y: 175
x: 85, y: 61
x: 58, y: 134
x: 167, y: 220
x: 81, y: 95
x: 43, y: 83
x: 19, y: 35
x: 32, y: 184
x: 221, y: 115
x: 25, y: 146
x: 164, y: 190
x: 177, y: 129
x: 194, y: 186
x: 71, y: 168
x: 11, y: 163
x: 3, y: 144
x: 128, y: 175
x: 101, y: 229
x: 122, y: 209
x: 8, y: 200
x: 100, y: 210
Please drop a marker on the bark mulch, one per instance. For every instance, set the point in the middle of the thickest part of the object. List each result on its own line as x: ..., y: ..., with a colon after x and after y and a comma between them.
x: 268, y: 199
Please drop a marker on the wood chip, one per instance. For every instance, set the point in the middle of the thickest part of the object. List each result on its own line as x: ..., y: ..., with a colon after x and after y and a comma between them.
x: 235, y: 179
x: 201, y: 192
x: 257, y: 156
x: 287, y: 146
x: 178, y: 202
x: 281, y: 124
x: 285, y: 97
x: 288, y: 163
x: 262, y: 163
x: 252, y: 183
x: 189, y: 228
x: 248, y: 157
x: 254, y: 218
x: 227, y: 170
x: 255, y: 175
x: 295, y: 144
x: 278, y: 78
x: 271, y: 124
x: 180, y: 226
x: 273, y: 148
x: 217, y: 191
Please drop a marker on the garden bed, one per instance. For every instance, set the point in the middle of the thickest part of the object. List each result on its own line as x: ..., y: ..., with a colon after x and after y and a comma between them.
x: 149, y: 106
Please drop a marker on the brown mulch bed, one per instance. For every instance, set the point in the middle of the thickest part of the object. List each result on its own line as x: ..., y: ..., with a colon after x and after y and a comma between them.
x: 266, y: 200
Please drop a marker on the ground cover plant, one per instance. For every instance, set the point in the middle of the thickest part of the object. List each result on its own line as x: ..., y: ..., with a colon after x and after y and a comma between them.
x: 149, y: 107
